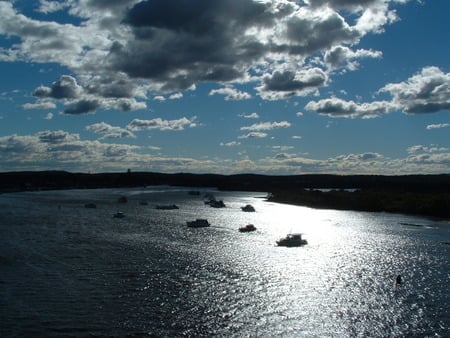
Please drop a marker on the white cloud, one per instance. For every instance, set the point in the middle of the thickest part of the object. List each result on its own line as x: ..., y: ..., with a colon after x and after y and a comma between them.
x: 49, y: 116
x: 267, y: 126
x: 335, y: 107
x: 128, y: 48
x: 176, y: 96
x: 438, y: 126
x: 231, y: 93
x: 425, y: 92
x: 253, y: 134
x: 250, y: 116
x: 342, y: 56
x: 160, y: 124
x: 230, y: 144
x: 109, y: 131
x: 39, y: 105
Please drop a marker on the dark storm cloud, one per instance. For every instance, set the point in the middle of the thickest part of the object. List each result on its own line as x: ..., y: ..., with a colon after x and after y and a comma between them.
x: 343, y: 3
x: 179, y: 43
x: 288, y: 81
x: 310, y: 34
x: 82, y: 107
x: 65, y: 88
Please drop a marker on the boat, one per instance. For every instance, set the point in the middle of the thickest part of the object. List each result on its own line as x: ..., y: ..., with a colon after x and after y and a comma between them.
x: 119, y: 214
x: 248, y: 208
x: 247, y: 228
x: 167, y: 207
x: 198, y: 223
x: 143, y: 203
x: 90, y: 206
x: 122, y: 199
x: 292, y: 240
x: 194, y: 192
x: 216, y: 204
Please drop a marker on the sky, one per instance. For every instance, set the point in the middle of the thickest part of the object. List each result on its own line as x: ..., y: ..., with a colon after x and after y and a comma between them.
x: 276, y: 87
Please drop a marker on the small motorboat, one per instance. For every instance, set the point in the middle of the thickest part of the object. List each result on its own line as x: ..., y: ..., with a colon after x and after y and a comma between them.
x: 198, y: 223
x: 90, y: 206
x: 247, y: 228
x: 119, y: 214
x: 216, y: 204
x: 248, y: 208
x: 167, y: 207
x: 122, y: 199
x: 292, y: 240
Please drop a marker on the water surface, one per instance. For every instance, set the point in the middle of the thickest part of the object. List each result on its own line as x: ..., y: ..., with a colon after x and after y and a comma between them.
x: 72, y: 271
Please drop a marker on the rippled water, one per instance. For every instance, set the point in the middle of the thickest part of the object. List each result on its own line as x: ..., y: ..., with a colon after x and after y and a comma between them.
x: 68, y: 270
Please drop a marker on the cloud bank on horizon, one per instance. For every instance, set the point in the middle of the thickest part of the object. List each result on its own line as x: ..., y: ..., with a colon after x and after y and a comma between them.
x: 117, y: 65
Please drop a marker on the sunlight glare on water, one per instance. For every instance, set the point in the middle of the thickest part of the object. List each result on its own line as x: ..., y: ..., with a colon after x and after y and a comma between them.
x: 148, y: 273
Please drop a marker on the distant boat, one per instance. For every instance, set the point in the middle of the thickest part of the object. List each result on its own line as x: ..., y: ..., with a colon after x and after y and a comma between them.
x: 122, y: 199
x: 198, y: 223
x: 143, y: 203
x: 167, y: 207
x: 193, y: 192
x: 216, y: 204
x: 248, y: 208
x: 119, y: 214
x: 90, y: 205
x: 292, y: 240
x: 247, y: 228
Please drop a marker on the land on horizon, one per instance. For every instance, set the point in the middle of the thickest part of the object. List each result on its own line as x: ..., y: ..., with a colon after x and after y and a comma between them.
x: 427, y: 195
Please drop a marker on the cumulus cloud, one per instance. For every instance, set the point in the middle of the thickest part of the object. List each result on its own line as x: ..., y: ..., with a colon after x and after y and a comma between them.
x: 267, y: 126
x: 253, y: 134
x: 342, y: 56
x: 108, y: 131
x: 335, y: 107
x: 425, y: 149
x: 231, y: 94
x: 287, y: 83
x: 82, y: 107
x: 66, y: 88
x: 250, y: 116
x: 57, y: 137
x: 125, y: 48
x: 425, y: 92
x: 230, y: 144
x: 39, y: 105
x: 160, y: 124
x: 438, y: 126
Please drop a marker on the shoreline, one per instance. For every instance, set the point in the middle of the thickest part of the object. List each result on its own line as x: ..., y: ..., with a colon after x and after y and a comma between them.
x: 424, y: 195
x: 434, y: 205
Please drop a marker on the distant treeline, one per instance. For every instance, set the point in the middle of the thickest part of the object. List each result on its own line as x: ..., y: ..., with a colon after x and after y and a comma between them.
x: 32, y: 180
x: 426, y: 203
x: 418, y: 194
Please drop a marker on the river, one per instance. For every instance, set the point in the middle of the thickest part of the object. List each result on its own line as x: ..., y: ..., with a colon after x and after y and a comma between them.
x: 67, y: 270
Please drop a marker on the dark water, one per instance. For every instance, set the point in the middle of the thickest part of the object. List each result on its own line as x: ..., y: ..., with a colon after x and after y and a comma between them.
x: 66, y: 270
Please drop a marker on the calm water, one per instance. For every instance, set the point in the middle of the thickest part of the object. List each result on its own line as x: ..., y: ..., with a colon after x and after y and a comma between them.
x: 66, y: 270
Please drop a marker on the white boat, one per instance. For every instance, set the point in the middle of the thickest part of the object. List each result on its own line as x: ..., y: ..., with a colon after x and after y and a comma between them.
x: 247, y: 228
x: 198, y: 223
x: 292, y: 240
x: 119, y: 214
x: 248, y: 208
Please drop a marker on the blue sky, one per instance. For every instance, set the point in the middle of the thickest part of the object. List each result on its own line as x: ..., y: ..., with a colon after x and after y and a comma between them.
x: 225, y: 86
